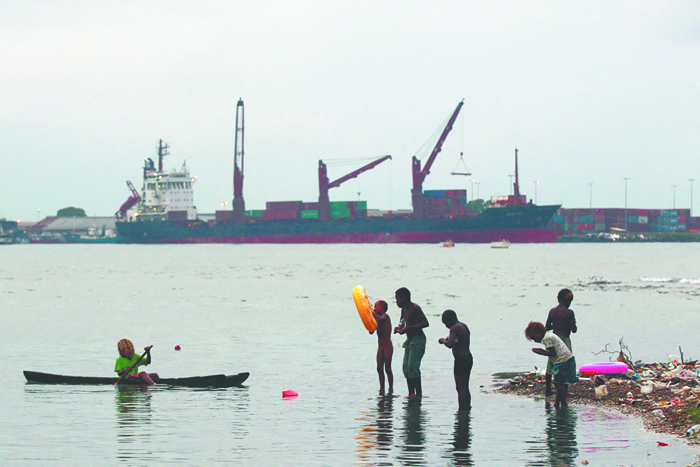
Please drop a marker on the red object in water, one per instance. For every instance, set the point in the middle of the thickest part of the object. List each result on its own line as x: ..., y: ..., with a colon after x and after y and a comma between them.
x: 661, y: 443
x: 177, y: 347
x: 289, y: 393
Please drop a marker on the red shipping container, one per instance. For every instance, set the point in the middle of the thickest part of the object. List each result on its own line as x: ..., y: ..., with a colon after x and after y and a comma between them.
x: 223, y: 216
x: 449, y: 193
x: 599, y: 218
x: 684, y: 212
x: 637, y: 227
x: 682, y: 219
x: 655, y: 212
x: 460, y: 193
x: 643, y: 212
x: 277, y: 215
x: 436, y: 201
x: 284, y: 205
x: 586, y: 226
x: 310, y: 207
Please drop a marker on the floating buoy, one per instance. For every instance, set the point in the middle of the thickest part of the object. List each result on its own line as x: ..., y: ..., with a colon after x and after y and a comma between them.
x: 661, y: 443
x: 177, y: 346
x: 288, y: 394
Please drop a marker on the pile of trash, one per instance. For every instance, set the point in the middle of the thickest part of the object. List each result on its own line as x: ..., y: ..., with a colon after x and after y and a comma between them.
x: 665, y: 395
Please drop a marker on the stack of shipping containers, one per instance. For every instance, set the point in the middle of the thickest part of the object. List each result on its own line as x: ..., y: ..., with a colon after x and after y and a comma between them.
x: 446, y: 203
x: 586, y: 221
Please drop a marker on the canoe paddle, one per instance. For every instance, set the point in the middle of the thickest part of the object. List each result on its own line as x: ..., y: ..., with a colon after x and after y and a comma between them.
x: 148, y: 351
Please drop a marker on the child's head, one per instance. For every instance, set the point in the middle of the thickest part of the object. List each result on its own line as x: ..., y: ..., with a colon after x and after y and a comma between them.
x: 381, y: 307
x: 126, y: 348
x: 449, y: 318
x: 565, y: 297
x: 535, y: 331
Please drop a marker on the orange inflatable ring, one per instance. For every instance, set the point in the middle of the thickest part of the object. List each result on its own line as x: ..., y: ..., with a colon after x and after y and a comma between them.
x: 364, y: 308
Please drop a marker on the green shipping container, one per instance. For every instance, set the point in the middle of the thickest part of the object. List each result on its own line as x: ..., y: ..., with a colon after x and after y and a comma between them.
x: 310, y: 214
x: 586, y: 219
x: 600, y: 226
x: 255, y: 213
x: 362, y: 205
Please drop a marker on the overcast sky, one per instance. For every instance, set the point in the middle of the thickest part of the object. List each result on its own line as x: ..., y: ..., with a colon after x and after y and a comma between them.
x: 589, y: 92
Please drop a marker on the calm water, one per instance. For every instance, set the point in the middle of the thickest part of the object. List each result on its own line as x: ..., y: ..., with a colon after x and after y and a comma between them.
x: 285, y: 313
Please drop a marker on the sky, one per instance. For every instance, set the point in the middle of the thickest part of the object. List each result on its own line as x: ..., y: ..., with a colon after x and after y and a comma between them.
x: 588, y: 92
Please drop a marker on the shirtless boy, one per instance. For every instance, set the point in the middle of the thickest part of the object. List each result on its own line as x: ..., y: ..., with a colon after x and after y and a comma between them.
x: 458, y: 341
x: 386, y: 349
x: 562, y: 321
x: 412, y: 322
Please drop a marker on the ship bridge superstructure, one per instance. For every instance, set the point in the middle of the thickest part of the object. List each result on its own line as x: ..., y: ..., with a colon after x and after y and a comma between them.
x: 165, y: 195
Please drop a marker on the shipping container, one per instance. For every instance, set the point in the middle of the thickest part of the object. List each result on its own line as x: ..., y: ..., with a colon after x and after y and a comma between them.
x: 669, y: 213
x: 558, y: 219
x: 586, y: 219
x: 255, y: 213
x: 280, y: 215
x: 643, y: 219
x: 632, y: 219
x: 460, y: 193
x: 284, y: 205
x: 309, y: 214
x: 434, y: 193
x: 600, y: 227
x: 585, y: 226
x: 223, y: 216
x: 310, y: 207
x: 637, y: 227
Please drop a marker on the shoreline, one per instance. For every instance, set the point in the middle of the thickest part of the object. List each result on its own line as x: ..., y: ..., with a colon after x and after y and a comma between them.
x: 672, y: 406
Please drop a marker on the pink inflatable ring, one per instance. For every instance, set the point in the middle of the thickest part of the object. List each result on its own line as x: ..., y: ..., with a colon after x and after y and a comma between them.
x: 603, y: 368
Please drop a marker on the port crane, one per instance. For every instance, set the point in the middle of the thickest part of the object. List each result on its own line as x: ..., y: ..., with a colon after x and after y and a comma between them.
x: 129, y: 203
x: 419, y: 174
x: 324, y: 209
x: 239, y: 153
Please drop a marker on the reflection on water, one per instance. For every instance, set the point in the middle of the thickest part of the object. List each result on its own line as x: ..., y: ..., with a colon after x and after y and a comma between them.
x: 561, y: 447
x: 133, y: 412
x: 413, y: 448
x: 376, y: 432
x: 458, y: 451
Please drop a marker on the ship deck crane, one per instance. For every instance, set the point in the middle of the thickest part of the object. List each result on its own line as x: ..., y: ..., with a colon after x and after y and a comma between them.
x: 129, y: 203
x: 239, y: 153
x: 324, y: 209
x: 419, y: 174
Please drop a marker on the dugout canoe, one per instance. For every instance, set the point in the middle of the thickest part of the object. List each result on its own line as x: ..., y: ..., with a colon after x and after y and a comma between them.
x: 211, y: 381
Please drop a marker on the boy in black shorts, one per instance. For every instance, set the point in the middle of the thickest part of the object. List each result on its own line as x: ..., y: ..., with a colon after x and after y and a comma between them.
x: 458, y: 341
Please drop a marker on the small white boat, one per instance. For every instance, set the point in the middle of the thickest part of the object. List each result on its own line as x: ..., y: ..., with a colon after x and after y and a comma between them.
x: 500, y: 244
x: 448, y: 243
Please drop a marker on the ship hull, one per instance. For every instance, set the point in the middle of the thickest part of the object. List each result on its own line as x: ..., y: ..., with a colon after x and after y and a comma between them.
x: 517, y: 224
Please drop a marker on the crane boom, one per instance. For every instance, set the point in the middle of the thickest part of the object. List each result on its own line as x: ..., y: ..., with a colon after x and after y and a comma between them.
x: 324, y: 184
x: 420, y: 175
x: 239, y: 153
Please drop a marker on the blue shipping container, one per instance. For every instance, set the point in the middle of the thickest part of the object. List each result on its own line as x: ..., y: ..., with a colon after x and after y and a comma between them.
x: 434, y: 193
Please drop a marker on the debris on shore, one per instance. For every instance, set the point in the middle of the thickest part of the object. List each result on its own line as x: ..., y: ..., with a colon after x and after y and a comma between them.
x: 666, y: 396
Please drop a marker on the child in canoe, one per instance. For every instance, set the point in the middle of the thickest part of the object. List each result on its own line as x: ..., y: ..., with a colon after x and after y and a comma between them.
x: 128, y: 361
x: 564, y: 362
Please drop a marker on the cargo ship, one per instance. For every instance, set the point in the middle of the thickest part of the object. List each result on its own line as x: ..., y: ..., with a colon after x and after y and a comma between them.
x: 164, y: 211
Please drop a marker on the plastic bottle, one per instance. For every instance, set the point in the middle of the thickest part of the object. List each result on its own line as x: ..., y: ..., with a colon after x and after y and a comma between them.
x: 658, y: 413
x: 693, y: 430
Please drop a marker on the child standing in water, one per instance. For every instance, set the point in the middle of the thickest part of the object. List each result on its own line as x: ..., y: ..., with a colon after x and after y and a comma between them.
x: 564, y: 362
x: 458, y: 341
x: 126, y: 363
x: 386, y: 349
